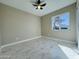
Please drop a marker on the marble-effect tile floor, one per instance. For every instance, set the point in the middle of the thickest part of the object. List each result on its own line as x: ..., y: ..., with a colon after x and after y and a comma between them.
x: 36, y: 49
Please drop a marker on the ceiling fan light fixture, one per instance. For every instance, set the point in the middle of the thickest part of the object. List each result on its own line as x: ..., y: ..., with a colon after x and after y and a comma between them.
x: 39, y: 4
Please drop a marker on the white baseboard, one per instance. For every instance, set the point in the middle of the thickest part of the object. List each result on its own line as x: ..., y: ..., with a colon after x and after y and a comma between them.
x: 14, y: 43
x: 60, y: 40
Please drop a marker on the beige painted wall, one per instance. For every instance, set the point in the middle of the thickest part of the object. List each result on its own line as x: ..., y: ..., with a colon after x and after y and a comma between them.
x: 0, y: 26
x: 64, y: 35
x: 18, y: 25
x: 77, y: 13
x: 0, y: 37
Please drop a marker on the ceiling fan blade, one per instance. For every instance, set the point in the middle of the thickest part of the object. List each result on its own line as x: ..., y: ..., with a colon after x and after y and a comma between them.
x: 36, y: 8
x: 39, y: 4
x: 41, y: 8
x: 34, y: 4
x: 43, y: 4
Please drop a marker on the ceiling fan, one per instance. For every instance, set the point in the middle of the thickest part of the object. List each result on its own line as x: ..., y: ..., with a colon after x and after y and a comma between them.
x: 39, y: 4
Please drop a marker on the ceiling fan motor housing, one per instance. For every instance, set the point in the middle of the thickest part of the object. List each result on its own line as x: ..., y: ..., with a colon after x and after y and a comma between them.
x: 38, y: 4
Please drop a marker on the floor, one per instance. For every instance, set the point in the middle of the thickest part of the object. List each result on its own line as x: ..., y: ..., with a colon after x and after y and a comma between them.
x: 41, y: 48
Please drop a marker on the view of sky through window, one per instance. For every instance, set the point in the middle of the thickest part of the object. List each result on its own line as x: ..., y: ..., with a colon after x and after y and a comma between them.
x: 61, y: 21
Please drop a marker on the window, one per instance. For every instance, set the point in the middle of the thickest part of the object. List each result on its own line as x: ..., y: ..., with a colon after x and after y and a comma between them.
x: 61, y: 22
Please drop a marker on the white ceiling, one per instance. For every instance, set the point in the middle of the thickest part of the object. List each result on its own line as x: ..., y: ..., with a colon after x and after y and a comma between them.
x: 26, y: 5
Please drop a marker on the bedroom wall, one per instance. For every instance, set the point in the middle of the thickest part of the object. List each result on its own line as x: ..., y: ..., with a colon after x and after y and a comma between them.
x: 0, y: 37
x: 0, y: 25
x: 77, y: 13
x: 18, y: 25
x: 64, y: 35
